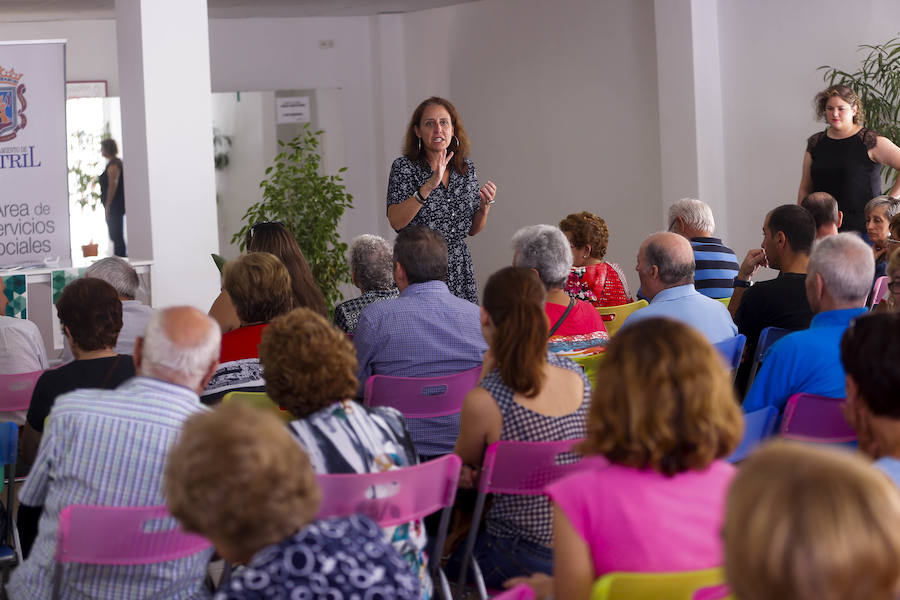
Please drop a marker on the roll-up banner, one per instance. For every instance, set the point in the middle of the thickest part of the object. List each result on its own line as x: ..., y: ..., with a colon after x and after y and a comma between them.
x: 34, y: 203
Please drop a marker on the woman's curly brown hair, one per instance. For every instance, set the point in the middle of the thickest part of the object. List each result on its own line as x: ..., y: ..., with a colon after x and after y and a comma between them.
x: 665, y: 402
x: 307, y: 362
x: 846, y: 94
x: 238, y: 475
x: 584, y: 229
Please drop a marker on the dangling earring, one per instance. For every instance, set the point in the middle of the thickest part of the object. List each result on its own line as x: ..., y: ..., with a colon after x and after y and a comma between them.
x: 457, y: 142
x: 420, y: 144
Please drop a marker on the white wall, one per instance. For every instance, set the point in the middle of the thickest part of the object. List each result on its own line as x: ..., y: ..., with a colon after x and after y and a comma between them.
x: 560, y: 102
x: 770, y: 52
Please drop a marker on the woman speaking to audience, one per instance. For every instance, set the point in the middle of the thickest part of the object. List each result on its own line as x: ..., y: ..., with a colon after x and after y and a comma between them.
x: 845, y: 159
x: 434, y: 184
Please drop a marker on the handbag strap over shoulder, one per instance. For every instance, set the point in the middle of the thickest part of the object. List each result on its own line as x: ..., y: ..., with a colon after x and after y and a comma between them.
x: 562, y: 317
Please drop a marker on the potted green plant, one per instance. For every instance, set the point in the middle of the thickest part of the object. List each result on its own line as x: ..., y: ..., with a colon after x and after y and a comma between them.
x: 877, y: 83
x: 309, y: 204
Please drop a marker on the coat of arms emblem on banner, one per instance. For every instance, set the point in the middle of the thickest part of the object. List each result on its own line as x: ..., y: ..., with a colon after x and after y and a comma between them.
x: 12, y: 104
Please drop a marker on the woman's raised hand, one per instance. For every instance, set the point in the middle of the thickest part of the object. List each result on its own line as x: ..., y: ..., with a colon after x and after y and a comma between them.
x: 439, y: 169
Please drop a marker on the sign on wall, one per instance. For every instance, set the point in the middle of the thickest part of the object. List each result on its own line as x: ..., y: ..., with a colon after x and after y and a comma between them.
x: 34, y: 205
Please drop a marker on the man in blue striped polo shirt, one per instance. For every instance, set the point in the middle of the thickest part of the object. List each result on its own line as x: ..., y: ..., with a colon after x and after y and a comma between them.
x: 716, y: 263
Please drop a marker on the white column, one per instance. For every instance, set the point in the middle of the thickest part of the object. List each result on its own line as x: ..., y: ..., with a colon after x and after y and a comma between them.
x: 690, y: 105
x: 163, y: 48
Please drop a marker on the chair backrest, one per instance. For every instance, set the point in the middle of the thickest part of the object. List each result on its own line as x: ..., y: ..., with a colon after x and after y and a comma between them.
x: 420, y: 397
x: 15, y: 390
x: 879, y: 290
x: 811, y: 418
x: 392, y: 497
x: 732, y: 350
x: 526, y: 468
x: 614, y: 316
x: 589, y: 362
x: 758, y: 425
x: 654, y: 586
x: 715, y: 592
x: 767, y: 337
x: 261, y: 401
x: 122, y: 535
x: 725, y: 301
x: 520, y: 592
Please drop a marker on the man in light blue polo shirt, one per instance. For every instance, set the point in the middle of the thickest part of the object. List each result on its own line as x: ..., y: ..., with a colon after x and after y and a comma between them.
x: 839, y: 277
x: 665, y: 266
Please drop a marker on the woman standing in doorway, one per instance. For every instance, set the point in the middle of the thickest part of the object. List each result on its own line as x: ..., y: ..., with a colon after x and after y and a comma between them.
x: 112, y: 195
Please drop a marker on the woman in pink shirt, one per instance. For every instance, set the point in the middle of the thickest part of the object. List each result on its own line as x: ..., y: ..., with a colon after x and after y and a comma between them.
x: 664, y: 417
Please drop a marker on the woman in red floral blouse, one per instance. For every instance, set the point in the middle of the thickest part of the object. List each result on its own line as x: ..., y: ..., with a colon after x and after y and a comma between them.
x: 600, y: 283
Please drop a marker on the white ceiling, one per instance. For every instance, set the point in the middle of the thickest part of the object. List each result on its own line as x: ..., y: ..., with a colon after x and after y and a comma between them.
x: 46, y: 10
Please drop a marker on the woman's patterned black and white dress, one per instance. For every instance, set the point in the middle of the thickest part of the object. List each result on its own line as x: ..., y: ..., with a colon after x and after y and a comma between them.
x: 449, y: 211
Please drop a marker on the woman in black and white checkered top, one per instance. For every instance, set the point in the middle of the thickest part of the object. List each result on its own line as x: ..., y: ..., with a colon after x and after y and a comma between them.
x: 527, y: 394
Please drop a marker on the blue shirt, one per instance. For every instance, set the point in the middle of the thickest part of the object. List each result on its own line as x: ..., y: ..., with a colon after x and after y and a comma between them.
x: 425, y: 332
x: 716, y: 266
x: 108, y: 447
x: 684, y: 303
x: 890, y: 466
x: 806, y: 361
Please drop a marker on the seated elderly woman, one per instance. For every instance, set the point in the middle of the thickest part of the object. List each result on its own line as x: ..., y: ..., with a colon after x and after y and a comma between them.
x: 664, y: 419
x: 274, y: 238
x: 310, y: 369
x: 891, y: 301
x: 880, y: 210
x: 260, y: 288
x: 236, y: 477
x: 528, y: 394
x: 372, y: 271
x: 575, y: 325
x: 90, y: 313
x: 591, y: 279
x: 811, y: 523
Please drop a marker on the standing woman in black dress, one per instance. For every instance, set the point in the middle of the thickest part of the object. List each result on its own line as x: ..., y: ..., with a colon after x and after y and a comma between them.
x: 112, y: 195
x: 845, y: 159
x: 434, y: 184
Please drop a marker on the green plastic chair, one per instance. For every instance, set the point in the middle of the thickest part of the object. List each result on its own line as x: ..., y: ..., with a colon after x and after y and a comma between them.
x: 618, y: 314
x: 261, y: 401
x: 725, y: 301
x: 655, y: 586
x: 589, y: 362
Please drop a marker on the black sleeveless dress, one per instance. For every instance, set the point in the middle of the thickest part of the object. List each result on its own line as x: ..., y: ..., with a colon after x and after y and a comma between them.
x: 843, y: 169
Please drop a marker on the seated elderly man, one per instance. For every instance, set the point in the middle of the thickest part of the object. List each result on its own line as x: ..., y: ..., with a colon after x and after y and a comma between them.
x: 91, y: 316
x: 665, y: 265
x: 259, y: 286
x: 21, y: 345
x: 837, y: 284
x: 575, y: 325
x: 870, y: 353
x: 824, y: 210
x: 108, y: 447
x: 372, y: 271
x: 715, y: 264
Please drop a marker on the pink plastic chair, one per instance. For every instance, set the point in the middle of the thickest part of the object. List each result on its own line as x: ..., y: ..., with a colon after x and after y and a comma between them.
x: 810, y: 418
x: 716, y: 592
x: 522, y: 468
x: 398, y: 496
x: 15, y: 390
x: 520, y: 592
x: 119, y: 535
x: 420, y: 397
x: 879, y: 291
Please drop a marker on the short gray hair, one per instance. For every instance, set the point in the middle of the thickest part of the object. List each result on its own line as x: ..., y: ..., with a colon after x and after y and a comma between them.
x: 846, y: 265
x: 693, y: 212
x: 892, y: 206
x: 671, y: 272
x: 545, y: 249
x: 177, y: 362
x: 116, y: 272
x: 372, y: 262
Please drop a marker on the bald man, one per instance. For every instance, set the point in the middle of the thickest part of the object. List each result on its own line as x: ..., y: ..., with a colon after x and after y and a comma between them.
x: 665, y: 265
x: 108, y: 447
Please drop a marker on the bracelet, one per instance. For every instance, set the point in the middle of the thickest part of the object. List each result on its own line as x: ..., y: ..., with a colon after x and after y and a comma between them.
x: 419, y: 198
